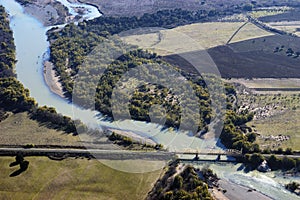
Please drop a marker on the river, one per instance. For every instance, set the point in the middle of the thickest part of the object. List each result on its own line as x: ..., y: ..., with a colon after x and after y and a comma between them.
x: 29, y: 70
x: 32, y: 49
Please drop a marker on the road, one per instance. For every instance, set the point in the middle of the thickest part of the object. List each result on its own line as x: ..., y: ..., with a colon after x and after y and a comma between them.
x: 113, y: 154
x: 97, y: 153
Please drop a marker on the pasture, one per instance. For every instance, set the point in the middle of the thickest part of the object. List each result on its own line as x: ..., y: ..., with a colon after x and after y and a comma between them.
x: 199, y: 36
x: 19, y: 129
x: 286, y: 124
x: 72, y: 179
x: 276, y: 113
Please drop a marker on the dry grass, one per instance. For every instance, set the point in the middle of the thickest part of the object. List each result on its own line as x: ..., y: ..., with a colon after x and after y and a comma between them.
x: 196, y: 36
x: 287, y: 124
x: 250, y: 31
x: 287, y: 26
x: 72, y: 179
x: 263, y: 13
x: 275, y: 114
x: 268, y: 82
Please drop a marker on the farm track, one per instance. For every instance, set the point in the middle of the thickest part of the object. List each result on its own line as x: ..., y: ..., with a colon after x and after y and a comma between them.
x: 236, y: 32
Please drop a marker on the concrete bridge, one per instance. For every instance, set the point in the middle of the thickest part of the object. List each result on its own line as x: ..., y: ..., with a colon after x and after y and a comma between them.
x: 121, y: 154
x: 200, y: 155
x: 227, y: 152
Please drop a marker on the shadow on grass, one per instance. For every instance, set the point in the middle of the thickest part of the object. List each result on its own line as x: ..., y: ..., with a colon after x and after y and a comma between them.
x: 13, y: 164
x: 23, y: 167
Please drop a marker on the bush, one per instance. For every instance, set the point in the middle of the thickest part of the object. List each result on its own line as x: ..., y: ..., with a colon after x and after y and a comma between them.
x: 288, y: 151
x: 288, y: 163
x: 255, y: 160
x: 178, y: 182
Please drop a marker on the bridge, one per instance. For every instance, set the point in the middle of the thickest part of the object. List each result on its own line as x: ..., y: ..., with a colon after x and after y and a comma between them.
x: 209, y: 152
x: 90, y: 153
x: 227, y: 152
x: 116, y: 154
x: 113, y: 153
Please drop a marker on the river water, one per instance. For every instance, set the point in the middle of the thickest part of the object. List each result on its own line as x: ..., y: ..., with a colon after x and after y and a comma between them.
x: 32, y: 49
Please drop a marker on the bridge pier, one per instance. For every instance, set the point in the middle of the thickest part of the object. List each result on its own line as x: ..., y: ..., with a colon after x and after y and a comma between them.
x: 196, y: 157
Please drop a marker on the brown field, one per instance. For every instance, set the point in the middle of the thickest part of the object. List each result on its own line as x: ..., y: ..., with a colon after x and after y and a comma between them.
x: 249, y: 55
x: 255, y: 58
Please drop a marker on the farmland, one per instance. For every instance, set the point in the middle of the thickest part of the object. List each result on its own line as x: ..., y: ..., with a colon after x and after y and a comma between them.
x: 250, y: 54
x: 203, y: 35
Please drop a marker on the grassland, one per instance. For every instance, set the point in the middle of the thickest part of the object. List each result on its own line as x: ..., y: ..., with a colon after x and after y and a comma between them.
x: 269, y: 83
x: 250, y: 31
x: 287, y: 26
x: 275, y: 113
x: 287, y: 124
x: 19, y: 129
x: 199, y: 36
x: 271, y: 11
x: 287, y: 21
x: 72, y: 179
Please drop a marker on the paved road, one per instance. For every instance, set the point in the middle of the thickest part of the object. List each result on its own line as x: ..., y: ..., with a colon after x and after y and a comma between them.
x: 109, y: 154
x: 97, y: 153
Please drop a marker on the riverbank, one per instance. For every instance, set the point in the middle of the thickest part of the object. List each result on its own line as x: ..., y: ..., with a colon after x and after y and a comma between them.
x: 236, y: 192
x: 48, y: 12
x: 52, y: 80
x: 134, y: 136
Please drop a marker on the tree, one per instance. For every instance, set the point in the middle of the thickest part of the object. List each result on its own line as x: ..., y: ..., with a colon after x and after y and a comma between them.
x: 247, y: 7
x: 256, y: 159
x: 19, y: 158
x: 288, y: 151
x: 274, y: 162
x: 178, y: 182
x: 251, y: 137
x: 288, y: 163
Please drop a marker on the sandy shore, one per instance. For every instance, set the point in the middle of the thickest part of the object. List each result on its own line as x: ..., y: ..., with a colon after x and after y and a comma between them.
x: 48, y: 12
x: 134, y: 136
x: 236, y: 192
x: 218, y: 194
x: 52, y: 80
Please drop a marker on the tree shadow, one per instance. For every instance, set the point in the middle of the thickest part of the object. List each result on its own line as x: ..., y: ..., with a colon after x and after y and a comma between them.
x: 23, y: 167
x: 13, y: 164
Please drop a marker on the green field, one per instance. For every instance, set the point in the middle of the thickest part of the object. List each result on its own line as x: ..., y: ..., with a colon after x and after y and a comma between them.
x: 72, y: 179
x: 19, y: 129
